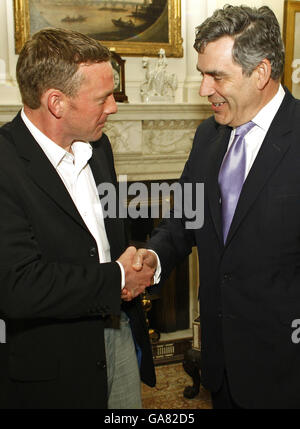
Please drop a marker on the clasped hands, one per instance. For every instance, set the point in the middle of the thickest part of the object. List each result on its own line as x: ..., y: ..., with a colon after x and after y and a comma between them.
x: 139, y: 266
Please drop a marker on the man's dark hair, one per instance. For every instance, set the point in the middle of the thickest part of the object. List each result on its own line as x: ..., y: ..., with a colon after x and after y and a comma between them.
x: 256, y: 34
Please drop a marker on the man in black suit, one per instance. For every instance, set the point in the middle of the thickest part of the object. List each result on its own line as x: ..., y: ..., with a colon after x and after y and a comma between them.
x: 248, y: 156
x: 70, y: 342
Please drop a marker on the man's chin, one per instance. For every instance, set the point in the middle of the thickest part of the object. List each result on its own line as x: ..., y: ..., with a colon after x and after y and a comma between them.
x: 220, y: 119
x: 96, y: 136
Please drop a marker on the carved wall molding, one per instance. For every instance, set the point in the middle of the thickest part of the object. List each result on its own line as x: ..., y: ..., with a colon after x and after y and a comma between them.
x: 125, y: 136
x: 171, y: 124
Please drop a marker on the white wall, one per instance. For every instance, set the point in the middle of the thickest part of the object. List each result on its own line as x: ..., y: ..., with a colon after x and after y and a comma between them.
x: 193, y: 13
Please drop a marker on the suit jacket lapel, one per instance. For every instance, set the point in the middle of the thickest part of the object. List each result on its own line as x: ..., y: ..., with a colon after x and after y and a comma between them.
x: 218, y: 148
x: 99, y: 165
x: 269, y: 156
x: 41, y: 170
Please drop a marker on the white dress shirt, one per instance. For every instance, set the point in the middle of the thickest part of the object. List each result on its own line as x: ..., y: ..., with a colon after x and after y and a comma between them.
x: 78, y: 179
x: 255, y: 137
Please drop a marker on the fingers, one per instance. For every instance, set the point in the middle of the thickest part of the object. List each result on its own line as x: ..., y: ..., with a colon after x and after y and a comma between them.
x: 126, y: 295
x: 143, y: 256
x: 151, y: 260
x: 138, y: 259
x: 127, y: 256
x: 139, y: 266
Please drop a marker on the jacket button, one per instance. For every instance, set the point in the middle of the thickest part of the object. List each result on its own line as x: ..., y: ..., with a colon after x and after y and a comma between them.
x: 227, y: 277
x: 101, y: 364
x: 93, y: 251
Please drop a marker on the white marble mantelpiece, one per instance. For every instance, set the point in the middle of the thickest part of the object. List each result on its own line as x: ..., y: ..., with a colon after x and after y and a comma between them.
x: 152, y: 141
x: 7, y: 112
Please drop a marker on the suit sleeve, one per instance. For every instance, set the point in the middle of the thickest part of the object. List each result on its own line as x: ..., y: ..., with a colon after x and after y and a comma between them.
x: 173, y: 240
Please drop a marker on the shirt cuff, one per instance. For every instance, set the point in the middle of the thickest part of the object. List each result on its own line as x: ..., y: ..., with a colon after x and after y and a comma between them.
x: 122, y: 274
x: 158, y: 268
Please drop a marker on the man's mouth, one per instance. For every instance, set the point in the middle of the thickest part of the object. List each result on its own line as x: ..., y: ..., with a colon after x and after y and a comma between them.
x: 218, y: 104
x: 218, y: 107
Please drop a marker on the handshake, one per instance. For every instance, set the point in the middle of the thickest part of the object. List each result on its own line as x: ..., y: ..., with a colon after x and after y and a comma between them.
x: 139, y: 266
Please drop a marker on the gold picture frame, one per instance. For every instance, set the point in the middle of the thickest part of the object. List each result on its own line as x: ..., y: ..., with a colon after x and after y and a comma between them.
x: 147, y: 42
x: 291, y: 28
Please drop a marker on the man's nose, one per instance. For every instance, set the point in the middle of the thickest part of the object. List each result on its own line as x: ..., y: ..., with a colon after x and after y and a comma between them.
x: 111, y: 105
x: 207, y: 86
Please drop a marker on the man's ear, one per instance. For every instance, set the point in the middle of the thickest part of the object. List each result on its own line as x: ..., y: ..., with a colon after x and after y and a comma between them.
x: 263, y: 72
x: 55, y: 100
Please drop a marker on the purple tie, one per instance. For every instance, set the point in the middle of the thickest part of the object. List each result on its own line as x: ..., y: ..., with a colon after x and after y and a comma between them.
x: 232, y: 175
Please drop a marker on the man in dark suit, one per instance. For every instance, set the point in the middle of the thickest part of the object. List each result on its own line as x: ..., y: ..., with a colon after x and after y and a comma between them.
x: 248, y: 156
x: 70, y: 342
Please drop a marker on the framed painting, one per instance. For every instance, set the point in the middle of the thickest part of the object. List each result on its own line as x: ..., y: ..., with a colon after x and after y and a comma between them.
x: 130, y: 27
x: 291, y: 35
